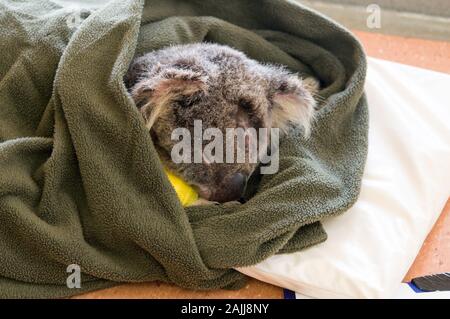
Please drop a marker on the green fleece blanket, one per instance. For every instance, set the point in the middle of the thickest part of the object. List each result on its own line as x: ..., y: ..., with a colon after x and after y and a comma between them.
x: 80, y: 181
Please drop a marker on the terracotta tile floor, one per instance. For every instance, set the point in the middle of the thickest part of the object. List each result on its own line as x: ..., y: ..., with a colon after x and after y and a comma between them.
x: 435, y: 253
x: 433, y: 55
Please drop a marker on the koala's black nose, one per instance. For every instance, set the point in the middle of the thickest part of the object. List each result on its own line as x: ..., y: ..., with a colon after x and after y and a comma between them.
x: 237, y: 185
x: 232, y: 189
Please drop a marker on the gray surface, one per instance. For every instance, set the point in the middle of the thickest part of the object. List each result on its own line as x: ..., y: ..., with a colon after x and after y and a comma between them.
x: 408, y: 24
x: 426, y: 7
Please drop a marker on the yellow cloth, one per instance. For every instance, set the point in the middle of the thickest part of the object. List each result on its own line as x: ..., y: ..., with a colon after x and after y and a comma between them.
x: 185, y: 192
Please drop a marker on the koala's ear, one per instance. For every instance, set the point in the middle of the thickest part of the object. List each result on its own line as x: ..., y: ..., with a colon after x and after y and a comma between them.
x: 152, y: 95
x: 293, y: 102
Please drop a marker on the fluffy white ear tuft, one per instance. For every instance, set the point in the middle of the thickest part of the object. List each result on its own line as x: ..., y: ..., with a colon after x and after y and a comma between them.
x: 293, y: 103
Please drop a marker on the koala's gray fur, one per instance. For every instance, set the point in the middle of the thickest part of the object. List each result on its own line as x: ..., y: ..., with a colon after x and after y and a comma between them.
x: 223, y: 88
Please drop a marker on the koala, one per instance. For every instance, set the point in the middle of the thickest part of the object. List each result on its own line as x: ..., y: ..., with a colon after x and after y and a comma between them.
x: 223, y: 88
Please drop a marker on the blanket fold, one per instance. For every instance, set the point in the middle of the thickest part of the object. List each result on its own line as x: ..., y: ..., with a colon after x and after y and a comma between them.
x: 80, y: 180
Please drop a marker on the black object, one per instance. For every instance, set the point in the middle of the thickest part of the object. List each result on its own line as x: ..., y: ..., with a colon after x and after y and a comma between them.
x: 436, y: 282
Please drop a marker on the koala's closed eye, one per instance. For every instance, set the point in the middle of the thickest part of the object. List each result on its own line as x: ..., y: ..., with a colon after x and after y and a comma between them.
x: 248, y: 113
x: 186, y: 101
x: 246, y: 104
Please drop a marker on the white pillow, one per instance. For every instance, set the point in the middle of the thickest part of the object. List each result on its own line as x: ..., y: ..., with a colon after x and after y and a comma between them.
x: 405, y: 186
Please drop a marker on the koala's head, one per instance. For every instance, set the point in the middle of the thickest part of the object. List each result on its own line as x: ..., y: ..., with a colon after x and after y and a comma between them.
x: 224, y: 89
